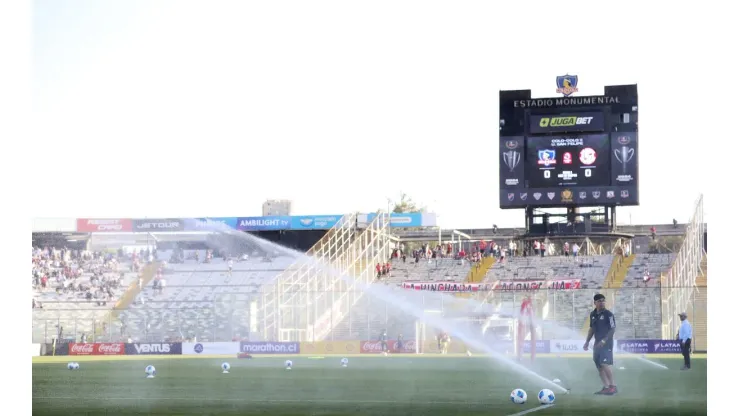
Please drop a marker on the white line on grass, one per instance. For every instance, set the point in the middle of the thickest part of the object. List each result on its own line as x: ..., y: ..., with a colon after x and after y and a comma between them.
x: 534, y: 409
x: 248, y: 400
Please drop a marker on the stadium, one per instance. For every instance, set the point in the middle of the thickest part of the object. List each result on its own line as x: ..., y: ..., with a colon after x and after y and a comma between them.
x: 431, y: 320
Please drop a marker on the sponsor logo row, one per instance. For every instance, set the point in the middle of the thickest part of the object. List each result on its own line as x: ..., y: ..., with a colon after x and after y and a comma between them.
x: 303, y: 222
x: 557, y: 346
x: 567, y: 195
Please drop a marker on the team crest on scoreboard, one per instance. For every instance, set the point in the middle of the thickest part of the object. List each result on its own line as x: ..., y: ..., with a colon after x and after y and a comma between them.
x: 551, y: 195
x: 537, y: 196
x: 567, y: 84
x: 566, y: 196
x: 582, y: 195
x: 596, y: 194
x: 610, y: 194
x: 523, y: 196
x: 511, y: 197
x: 625, y: 193
x: 546, y: 157
x: 511, y: 144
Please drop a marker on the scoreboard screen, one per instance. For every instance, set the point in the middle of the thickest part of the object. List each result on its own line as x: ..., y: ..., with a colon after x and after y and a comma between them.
x: 568, y: 151
x: 568, y: 161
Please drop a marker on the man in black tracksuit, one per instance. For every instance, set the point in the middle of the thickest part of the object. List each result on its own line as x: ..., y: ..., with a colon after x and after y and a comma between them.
x: 602, y: 329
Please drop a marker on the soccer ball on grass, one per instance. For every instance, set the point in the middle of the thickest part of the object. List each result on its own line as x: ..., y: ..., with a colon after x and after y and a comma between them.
x: 288, y: 364
x: 150, y: 371
x: 519, y: 396
x: 546, y: 396
x: 226, y: 367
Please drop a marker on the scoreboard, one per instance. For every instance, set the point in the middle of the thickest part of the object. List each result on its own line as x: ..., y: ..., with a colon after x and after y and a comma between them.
x: 568, y: 151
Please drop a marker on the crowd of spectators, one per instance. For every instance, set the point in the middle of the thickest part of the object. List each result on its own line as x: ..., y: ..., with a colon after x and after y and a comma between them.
x: 84, y: 275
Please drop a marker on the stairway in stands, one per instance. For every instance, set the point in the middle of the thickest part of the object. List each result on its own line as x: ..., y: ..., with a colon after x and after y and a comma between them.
x: 614, y: 278
x: 477, y: 274
x: 698, y: 311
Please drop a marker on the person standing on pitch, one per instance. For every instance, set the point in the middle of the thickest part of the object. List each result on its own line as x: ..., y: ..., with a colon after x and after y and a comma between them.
x: 684, y: 335
x: 602, y: 329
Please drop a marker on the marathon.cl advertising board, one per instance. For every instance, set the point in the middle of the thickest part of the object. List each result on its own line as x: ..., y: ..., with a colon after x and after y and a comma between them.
x: 210, y: 348
x: 157, y: 348
x: 159, y: 225
x: 100, y: 225
x: 103, y: 348
x: 270, y: 347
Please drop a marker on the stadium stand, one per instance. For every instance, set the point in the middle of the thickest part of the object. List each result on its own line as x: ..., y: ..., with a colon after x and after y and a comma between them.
x: 199, y: 300
x: 655, y: 264
x: 74, y: 290
x: 590, y: 269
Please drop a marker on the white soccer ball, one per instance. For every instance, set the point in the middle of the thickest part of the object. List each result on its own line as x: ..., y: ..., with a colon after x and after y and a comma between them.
x: 150, y: 370
x: 288, y: 364
x: 519, y: 396
x: 77, y: 365
x: 546, y: 396
x: 225, y: 366
x: 70, y: 366
x: 344, y: 362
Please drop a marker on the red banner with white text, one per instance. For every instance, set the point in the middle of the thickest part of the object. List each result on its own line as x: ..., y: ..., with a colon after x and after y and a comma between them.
x: 103, y: 348
x: 503, y: 285
x: 97, y: 225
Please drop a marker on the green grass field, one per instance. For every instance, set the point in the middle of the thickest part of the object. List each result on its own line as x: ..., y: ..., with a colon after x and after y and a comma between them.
x: 371, y: 385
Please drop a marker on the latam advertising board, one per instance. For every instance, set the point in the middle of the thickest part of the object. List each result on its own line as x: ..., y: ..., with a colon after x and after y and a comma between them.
x: 210, y: 348
x: 159, y: 348
x: 103, y: 348
x: 158, y: 225
x: 270, y: 347
x: 502, y: 285
x: 99, y: 225
x: 649, y: 346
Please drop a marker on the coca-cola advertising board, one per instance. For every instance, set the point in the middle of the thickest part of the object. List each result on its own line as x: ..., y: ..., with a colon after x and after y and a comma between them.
x: 375, y: 347
x: 98, y: 225
x: 102, y: 348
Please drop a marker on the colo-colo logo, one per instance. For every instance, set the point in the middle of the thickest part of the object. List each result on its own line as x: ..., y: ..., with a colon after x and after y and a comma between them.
x: 565, y: 121
x: 150, y: 348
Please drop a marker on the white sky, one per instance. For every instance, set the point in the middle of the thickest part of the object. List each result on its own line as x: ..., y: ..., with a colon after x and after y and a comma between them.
x: 335, y: 107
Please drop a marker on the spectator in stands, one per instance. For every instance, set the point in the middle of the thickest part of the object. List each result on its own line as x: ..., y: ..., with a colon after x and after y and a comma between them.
x: 675, y: 223
x: 536, y: 248
x: 576, y: 249
x: 653, y: 232
x: 512, y: 248
x: 378, y: 270
x: 566, y: 249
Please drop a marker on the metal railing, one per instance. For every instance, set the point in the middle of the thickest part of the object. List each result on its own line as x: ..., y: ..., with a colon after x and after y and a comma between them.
x: 679, y: 282
x: 563, y: 313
